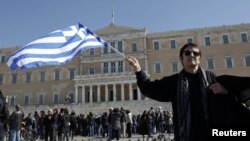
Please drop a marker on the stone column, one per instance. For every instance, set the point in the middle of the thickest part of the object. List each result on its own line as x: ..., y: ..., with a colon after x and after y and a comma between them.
x: 76, y: 94
x: 106, y: 93
x: 130, y: 91
x: 109, y: 67
x: 114, y: 92
x: 90, y: 94
x: 98, y: 93
x: 122, y: 92
x: 123, y: 63
x: 83, y: 94
x: 138, y: 93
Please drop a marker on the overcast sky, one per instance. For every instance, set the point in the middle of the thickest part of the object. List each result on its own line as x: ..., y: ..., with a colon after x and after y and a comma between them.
x: 23, y: 21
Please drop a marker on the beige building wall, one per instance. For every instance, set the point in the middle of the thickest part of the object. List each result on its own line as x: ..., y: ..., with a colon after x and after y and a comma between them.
x: 218, y: 51
x: 101, y: 90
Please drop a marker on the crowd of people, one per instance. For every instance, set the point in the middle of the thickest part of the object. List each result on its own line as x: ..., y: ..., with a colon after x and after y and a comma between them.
x: 116, y: 123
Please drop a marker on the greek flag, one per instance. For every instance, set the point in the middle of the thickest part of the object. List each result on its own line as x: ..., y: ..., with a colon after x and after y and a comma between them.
x: 56, y: 48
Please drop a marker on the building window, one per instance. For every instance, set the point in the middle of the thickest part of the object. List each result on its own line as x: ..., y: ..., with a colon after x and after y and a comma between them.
x: 247, y: 60
x: 190, y: 40
x: 42, y: 76
x: 111, y: 95
x: 113, y: 45
x: 229, y: 62
x: 28, y: 77
x: 207, y: 40
x: 105, y: 50
x: 72, y: 98
x: 12, y: 100
x: 174, y: 66
x: 41, y: 99
x: 105, y: 67
x: 210, y: 63
x: 91, y: 51
x: 56, y: 99
x: 120, y: 46
x: 244, y: 37
x: 26, y: 100
x: 2, y: 59
x: 72, y: 73
x: 57, y: 74
x: 1, y: 78
x: 120, y: 66
x: 156, y: 45
x: 91, y: 71
x: 134, y: 47
x: 113, y: 67
x: 14, y: 78
x: 225, y: 39
x: 172, y: 44
x: 135, y: 94
x: 157, y: 68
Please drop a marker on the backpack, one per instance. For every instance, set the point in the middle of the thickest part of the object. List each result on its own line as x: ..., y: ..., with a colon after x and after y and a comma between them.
x: 66, y: 121
x: 73, y: 120
x: 4, y: 112
x: 1, y: 105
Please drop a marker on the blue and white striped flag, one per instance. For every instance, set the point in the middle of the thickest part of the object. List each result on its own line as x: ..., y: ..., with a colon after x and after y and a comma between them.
x: 56, y: 48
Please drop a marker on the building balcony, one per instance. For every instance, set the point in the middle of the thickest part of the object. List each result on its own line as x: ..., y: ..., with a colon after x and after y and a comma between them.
x: 123, y: 77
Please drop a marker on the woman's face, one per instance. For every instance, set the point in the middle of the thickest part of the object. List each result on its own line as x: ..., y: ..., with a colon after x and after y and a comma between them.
x: 190, y: 57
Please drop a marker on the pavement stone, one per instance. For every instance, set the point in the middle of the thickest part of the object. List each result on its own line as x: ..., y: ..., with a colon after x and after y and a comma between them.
x: 135, y: 137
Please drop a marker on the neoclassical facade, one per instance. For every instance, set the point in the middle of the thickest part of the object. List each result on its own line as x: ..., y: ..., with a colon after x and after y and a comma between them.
x: 100, y: 78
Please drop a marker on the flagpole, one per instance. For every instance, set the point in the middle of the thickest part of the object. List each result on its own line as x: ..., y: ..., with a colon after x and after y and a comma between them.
x: 117, y: 51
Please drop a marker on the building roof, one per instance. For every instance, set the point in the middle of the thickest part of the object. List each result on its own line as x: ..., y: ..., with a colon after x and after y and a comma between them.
x: 114, y: 29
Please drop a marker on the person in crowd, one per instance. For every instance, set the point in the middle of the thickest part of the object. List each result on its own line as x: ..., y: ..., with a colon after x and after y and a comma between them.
x: 116, y: 123
x: 91, y: 123
x: 153, y: 116
x: 4, y: 115
x: 15, y: 122
x: 123, y: 122
x: 160, y: 120
x: 135, y: 124
x: 36, y: 119
x: 48, y: 124
x: 188, y: 91
x: 28, y: 121
x: 98, y: 126
x: 41, y: 125
x: 105, y: 124
x: 65, y: 120
x: 129, y: 123
x: 55, y: 123
x: 169, y: 121
x: 60, y: 123
x: 145, y: 124
x: 110, y: 135
x: 73, y: 124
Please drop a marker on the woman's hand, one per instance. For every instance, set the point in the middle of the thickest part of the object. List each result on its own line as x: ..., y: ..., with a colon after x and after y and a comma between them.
x: 217, y: 88
x: 133, y: 63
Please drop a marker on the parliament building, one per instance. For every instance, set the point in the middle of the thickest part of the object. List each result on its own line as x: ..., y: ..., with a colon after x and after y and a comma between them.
x: 99, y: 78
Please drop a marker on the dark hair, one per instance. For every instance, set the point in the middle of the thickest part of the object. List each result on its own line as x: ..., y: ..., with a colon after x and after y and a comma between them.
x: 17, y: 107
x: 186, y: 46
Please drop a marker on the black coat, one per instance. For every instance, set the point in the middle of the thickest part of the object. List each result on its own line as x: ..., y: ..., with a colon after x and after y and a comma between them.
x: 116, y: 120
x: 223, y: 109
x: 236, y: 114
x: 15, y: 120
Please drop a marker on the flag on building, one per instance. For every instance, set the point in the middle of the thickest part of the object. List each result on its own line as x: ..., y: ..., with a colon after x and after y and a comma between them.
x: 56, y: 48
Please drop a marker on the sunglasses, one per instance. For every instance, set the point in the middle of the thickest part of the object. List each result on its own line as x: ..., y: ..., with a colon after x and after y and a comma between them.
x: 195, y: 53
